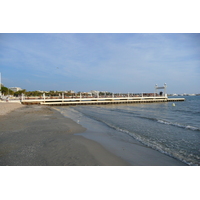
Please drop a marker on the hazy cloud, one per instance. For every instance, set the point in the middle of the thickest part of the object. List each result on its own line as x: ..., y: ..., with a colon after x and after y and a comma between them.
x: 128, y: 62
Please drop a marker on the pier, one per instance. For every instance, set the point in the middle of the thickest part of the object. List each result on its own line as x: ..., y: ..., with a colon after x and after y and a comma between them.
x: 123, y: 98
x: 97, y: 98
x: 98, y: 101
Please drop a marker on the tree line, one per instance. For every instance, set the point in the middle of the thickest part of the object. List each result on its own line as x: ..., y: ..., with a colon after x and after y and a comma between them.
x: 6, y: 91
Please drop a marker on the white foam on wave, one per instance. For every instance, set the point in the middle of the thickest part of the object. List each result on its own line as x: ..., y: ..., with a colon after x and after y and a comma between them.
x: 154, y: 144
x: 163, y: 122
x: 192, y: 128
x: 178, y: 125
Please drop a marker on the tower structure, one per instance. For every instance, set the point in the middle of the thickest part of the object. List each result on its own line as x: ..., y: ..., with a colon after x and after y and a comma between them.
x: 160, y: 88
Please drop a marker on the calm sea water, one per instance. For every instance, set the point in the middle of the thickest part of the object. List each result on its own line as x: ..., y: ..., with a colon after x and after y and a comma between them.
x: 172, y: 130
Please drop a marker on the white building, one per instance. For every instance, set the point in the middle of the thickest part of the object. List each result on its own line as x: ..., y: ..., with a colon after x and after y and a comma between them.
x: 94, y: 92
x: 15, y: 89
x: 70, y: 91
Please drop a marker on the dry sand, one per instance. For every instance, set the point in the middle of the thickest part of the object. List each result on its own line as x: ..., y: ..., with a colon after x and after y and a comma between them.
x: 41, y: 136
x: 8, y: 107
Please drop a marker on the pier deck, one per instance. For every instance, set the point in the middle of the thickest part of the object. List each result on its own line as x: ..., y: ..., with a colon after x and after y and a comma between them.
x: 98, y: 101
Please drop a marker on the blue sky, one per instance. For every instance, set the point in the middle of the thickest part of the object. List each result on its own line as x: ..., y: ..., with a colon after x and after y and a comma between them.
x: 105, y: 62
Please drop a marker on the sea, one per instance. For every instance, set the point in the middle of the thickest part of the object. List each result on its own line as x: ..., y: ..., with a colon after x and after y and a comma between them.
x: 172, y: 128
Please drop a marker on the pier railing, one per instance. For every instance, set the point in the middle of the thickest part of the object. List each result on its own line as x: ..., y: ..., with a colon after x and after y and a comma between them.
x: 94, y: 99
x: 85, y: 100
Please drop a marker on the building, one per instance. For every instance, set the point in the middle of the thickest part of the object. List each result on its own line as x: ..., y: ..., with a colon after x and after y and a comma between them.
x: 15, y: 89
x: 70, y: 91
x: 94, y: 92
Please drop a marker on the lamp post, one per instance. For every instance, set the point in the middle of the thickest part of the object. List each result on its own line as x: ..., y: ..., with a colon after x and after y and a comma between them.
x: 165, y: 85
x: 44, y: 96
x: 155, y: 90
x: 62, y: 96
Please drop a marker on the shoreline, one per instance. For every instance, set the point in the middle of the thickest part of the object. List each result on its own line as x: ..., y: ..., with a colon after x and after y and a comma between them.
x: 41, y: 136
x: 122, y: 145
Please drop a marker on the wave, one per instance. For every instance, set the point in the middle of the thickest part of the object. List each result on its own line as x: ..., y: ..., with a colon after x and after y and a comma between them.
x: 193, y: 128
x: 156, y: 145
x: 137, y: 115
x: 178, y: 125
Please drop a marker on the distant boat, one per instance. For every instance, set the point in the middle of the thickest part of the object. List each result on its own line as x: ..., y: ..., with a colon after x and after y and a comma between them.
x: 173, y: 104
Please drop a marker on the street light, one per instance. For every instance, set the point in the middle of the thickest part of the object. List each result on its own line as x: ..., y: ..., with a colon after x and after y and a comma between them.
x: 165, y: 85
x: 155, y: 92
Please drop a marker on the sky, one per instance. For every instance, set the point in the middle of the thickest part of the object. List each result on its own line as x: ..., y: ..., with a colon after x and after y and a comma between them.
x: 114, y: 62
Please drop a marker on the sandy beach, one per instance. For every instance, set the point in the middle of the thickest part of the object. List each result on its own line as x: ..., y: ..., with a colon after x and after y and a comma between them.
x: 8, y: 107
x: 41, y: 136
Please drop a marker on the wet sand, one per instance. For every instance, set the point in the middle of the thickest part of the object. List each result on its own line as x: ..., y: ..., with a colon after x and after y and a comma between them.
x: 41, y: 136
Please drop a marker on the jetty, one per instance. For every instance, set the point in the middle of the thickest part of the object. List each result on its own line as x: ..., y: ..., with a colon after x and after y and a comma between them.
x: 98, y: 101
x: 107, y: 99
